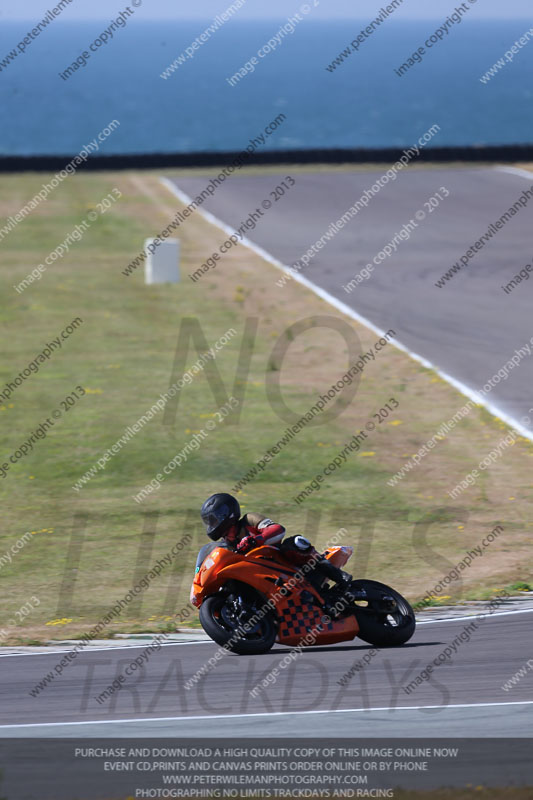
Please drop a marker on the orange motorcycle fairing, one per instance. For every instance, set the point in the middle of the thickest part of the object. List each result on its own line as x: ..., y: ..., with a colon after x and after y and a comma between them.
x: 296, y: 604
x: 260, y: 568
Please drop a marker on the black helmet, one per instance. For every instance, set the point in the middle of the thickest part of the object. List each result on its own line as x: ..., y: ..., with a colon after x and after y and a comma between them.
x: 218, y: 513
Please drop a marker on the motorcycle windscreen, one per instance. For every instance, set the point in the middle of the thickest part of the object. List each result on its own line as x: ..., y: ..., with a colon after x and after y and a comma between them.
x: 202, y: 556
x: 204, y: 552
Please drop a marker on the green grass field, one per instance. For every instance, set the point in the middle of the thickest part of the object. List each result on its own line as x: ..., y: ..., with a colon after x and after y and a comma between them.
x: 88, y: 547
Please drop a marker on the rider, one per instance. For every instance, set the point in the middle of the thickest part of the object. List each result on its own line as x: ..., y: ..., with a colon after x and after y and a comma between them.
x: 221, y: 515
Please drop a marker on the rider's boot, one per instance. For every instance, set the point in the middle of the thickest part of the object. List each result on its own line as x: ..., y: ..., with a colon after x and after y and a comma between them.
x: 341, y: 595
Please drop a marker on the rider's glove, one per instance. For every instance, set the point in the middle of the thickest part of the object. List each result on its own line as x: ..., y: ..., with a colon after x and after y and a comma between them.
x: 245, y: 544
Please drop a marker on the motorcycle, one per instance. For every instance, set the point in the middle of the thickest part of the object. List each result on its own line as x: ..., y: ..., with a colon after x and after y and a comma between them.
x: 249, y: 601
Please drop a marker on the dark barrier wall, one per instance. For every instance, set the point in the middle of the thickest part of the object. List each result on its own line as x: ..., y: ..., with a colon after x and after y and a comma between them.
x: 507, y: 153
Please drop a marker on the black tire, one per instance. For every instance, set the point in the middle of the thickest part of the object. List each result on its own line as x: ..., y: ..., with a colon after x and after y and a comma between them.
x: 377, y: 627
x: 216, y: 624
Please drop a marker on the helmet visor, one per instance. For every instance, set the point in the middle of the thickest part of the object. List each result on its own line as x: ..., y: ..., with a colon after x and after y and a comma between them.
x: 215, y: 519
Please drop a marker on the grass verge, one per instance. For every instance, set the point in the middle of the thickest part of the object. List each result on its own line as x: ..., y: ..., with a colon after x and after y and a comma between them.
x: 86, y: 549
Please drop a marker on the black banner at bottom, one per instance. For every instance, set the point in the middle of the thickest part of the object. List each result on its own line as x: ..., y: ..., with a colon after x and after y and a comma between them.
x: 120, y: 768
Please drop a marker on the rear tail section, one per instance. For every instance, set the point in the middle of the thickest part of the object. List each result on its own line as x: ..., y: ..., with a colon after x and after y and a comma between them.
x: 338, y: 556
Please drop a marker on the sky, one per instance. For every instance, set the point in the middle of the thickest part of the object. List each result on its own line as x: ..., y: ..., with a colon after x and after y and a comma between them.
x: 33, y: 10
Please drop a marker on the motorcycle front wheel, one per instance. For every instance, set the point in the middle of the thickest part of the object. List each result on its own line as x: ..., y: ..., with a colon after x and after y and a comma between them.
x: 386, y: 619
x: 221, y: 617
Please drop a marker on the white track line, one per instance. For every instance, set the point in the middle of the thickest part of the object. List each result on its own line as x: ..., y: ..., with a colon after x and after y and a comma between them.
x: 102, y: 649
x: 350, y: 312
x: 524, y: 173
x: 263, y: 714
x: 474, y: 616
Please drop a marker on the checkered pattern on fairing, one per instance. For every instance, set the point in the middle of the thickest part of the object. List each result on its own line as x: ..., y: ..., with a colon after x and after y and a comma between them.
x: 300, y: 617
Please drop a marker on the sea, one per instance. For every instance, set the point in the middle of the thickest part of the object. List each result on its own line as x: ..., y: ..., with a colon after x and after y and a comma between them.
x: 362, y: 103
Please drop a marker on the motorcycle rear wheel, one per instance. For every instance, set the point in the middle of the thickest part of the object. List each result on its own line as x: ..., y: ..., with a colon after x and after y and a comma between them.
x: 215, y: 618
x: 380, y: 627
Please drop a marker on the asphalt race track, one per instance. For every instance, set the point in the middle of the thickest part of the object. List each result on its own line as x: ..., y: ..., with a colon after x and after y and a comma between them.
x: 469, y: 328
x: 463, y: 696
